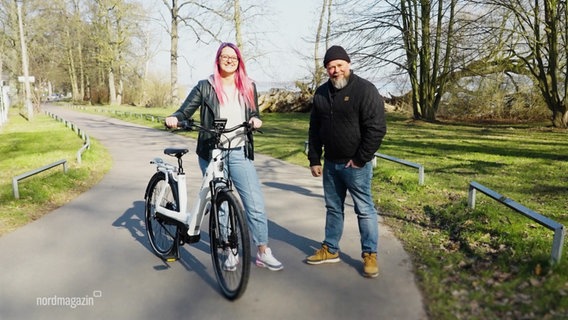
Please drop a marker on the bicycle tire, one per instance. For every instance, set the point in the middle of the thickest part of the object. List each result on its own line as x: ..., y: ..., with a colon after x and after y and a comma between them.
x: 232, y: 238
x: 161, y: 232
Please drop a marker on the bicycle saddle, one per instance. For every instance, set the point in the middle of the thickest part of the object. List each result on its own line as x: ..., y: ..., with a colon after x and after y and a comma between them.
x: 176, y: 152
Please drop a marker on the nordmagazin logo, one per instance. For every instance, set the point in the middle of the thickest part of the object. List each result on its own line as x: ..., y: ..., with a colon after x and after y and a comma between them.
x: 70, y: 302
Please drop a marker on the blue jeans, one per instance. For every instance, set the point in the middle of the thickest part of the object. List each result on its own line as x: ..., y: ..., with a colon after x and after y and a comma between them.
x: 337, y: 180
x: 245, y: 180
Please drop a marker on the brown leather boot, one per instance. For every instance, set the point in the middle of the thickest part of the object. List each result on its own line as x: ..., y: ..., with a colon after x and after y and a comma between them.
x: 370, y: 266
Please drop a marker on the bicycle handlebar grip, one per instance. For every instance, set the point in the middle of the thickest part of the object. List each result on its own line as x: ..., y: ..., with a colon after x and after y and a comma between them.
x: 250, y: 128
x: 186, y: 124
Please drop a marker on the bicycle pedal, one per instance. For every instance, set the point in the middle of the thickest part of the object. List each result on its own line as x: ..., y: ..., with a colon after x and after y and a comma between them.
x: 170, y: 259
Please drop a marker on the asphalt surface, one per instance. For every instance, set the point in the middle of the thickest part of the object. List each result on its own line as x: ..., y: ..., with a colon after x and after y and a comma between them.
x: 91, y: 258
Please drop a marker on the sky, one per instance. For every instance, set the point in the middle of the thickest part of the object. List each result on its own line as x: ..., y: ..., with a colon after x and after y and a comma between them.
x: 292, y: 22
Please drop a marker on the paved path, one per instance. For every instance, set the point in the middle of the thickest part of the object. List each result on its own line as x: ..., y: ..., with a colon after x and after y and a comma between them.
x: 95, y: 248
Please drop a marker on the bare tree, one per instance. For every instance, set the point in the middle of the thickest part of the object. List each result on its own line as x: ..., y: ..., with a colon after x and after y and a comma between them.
x: 237, y: 20
x: 243, y: 17
x: 318, y: 74
x: 320, y: 40
x: 431, y: 43
x: 207, y: 21
x: 7, y: 45
x: 540, y: 28
x: 58, y: 54
x: 115, y: 23
x: 415, y: 36
x: 191, y: 14
x: 9, y: 52
x: 91, y: 54
x: 146, y: 51
x: 74, y: 32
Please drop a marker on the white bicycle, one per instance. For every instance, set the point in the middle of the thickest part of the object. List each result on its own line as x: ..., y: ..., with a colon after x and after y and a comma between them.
x: 169, y: 224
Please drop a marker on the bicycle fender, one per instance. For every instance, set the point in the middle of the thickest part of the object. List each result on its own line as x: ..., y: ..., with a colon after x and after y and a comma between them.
x: 151, y: 182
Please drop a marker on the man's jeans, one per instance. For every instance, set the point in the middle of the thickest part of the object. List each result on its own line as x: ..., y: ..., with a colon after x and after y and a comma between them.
x: 337, y: 180
x: 245, y: 180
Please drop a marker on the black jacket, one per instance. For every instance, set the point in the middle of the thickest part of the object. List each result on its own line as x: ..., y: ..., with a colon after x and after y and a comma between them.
x: 203, y: 96
x: 349, y: 124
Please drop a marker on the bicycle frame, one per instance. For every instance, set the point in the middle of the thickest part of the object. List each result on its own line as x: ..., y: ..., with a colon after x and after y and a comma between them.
x: 213, y: 178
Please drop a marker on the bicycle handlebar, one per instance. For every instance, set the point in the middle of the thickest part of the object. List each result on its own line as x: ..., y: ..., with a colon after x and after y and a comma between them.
x: 218, y: 126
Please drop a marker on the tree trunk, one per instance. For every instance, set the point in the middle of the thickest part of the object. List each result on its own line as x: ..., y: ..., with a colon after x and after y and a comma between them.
x: 72, y: 74
x: 81, y: 72
x: 111, y: 88
x: 120, y: 91
x: 237, y: 19
x: 318, y: 75
x: 560, y: 117
x: 88, y: 95
x: 174, y: 53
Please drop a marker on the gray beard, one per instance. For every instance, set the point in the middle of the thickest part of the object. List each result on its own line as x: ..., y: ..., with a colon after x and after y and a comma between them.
x: 339, y: 84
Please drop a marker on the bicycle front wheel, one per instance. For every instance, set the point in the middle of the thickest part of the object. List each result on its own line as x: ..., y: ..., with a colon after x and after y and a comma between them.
x: 161, y: 231
x: 230, y: 245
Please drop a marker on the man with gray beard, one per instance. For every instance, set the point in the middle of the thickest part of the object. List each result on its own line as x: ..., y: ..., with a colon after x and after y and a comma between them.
x: 347, y: 126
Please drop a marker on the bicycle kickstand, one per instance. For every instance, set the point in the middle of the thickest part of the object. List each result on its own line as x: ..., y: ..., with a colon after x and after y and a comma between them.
x: 173, y: 254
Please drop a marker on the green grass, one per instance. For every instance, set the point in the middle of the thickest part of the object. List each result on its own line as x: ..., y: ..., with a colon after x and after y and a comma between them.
x: 491, y: 262
x: 28, y: 145
x: 486, y: 263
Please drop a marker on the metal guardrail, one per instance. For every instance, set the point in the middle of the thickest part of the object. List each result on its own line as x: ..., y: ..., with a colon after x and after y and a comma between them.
x: 406, y: 163
x: 535, y: 216
x: 145, y: 116
x: 390, y: 158
x: 17, y: 178
x: 86, y: 145
x: 81, y: 133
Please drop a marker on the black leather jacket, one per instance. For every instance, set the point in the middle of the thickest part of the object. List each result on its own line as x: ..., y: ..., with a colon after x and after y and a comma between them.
x: 203, y: 96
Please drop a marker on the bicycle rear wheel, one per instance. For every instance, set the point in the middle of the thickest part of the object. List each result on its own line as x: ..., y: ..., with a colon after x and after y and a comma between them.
x: 161, y: 231
x: 230, y: 245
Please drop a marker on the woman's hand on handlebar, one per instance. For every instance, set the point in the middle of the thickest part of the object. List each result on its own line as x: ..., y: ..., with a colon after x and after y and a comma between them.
x: 255, y: 123
x: 171, y: 122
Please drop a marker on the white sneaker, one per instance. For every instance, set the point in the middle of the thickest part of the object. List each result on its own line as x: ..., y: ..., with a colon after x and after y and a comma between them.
x: 231, y: 261
x: 267, y: 260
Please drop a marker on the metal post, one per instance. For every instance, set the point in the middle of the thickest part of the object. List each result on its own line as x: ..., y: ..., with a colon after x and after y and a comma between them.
x: 471, y: 197
x: 557, y: 243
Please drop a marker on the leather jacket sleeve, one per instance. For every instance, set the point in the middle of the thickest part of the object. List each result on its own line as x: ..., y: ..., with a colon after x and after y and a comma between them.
x: 192, y: 102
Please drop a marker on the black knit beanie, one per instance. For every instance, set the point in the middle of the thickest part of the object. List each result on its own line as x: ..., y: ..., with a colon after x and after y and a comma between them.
x: 335, y: 53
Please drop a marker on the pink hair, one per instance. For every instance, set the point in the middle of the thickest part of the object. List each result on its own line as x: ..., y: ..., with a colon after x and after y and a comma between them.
x: 242, y: 81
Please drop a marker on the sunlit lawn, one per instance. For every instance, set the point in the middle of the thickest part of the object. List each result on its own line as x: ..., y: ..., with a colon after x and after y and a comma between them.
x: 28, y: 145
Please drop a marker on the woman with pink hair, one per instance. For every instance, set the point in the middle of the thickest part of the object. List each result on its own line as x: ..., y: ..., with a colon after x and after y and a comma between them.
x: 230, y: 94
